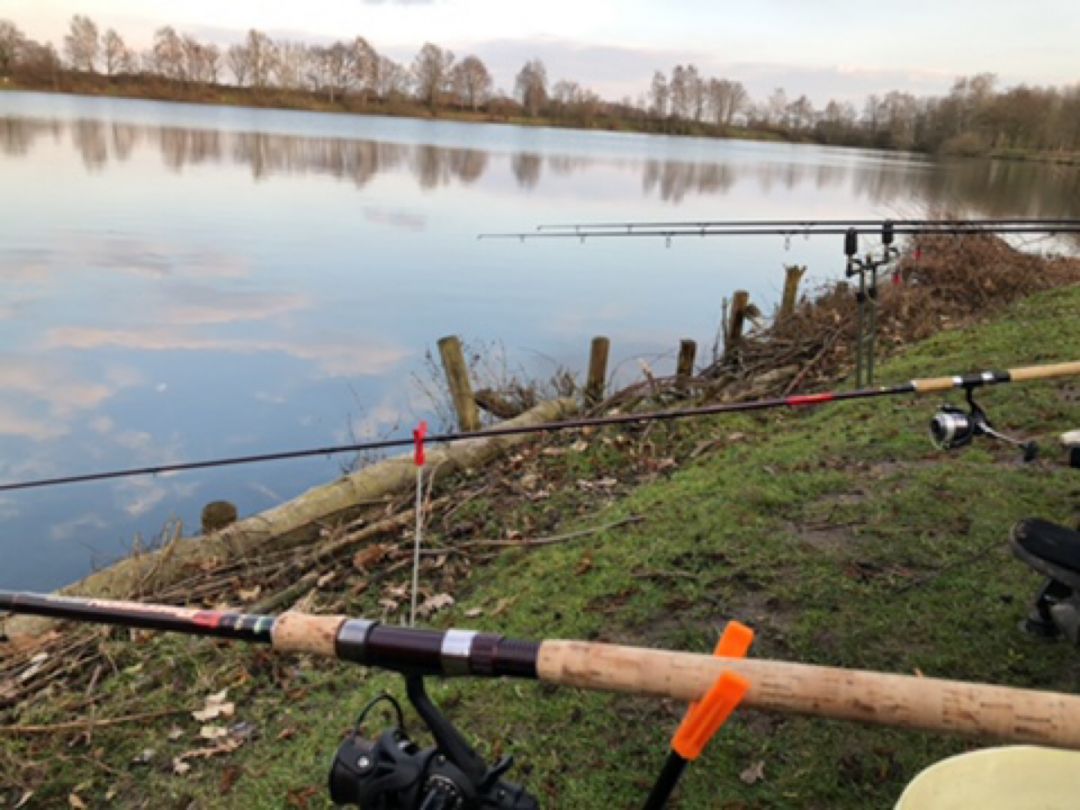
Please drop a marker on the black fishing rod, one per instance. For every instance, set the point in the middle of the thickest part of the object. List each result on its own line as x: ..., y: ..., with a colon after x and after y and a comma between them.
x: 800, y: 225
x: 670, y: 232
x: 918, y: 386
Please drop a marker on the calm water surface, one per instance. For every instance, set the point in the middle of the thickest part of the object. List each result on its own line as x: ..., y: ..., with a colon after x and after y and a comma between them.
x: 184, y: 282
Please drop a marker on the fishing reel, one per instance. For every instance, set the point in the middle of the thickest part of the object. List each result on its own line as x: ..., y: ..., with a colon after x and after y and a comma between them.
x: 394, y: 773
x: 953, y: 427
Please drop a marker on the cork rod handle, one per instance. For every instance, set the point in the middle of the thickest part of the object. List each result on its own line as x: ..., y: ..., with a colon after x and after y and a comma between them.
x: 903, y: 701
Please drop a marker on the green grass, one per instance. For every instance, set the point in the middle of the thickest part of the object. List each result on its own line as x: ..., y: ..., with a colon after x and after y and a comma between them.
x: 841, y: 535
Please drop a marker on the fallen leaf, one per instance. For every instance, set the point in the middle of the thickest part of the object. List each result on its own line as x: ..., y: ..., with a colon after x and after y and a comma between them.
x: 580, y: 446
x: 36, y: 663
x: 325, y: 579
x: 112, y: 793
x: 27, y: 796
x: 216, y: 706
x: 753, y: 774
x: 75, y: 802
x: 501, y: 606
x: 213, y: 732
x: 299, y: 797
x: 8, y: 690
x: 175, y: 733
x: 372, y: 555
x: 433, y: 604
x: 584, y: 564
x: 286, y: 734
x: 472, y: 613
x: 396, y: 592
x: 249, y: 594
x: 228, y: 780
x: 144, y: 757
x: 225, y: 746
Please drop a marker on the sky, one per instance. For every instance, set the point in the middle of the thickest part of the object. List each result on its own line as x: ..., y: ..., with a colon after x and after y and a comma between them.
x: 823, y: 48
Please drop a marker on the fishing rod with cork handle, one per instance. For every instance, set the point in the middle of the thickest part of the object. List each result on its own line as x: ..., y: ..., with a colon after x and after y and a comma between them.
x: 876, y: 698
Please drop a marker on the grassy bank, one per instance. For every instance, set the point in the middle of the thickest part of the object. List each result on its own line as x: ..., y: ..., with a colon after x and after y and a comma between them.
x: 840, y: 534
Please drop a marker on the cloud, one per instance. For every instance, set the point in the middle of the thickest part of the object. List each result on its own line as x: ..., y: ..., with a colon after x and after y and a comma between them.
x: 41, y: 395
x: 200, y: 305
x: 138, y: 496
x: 395, y: 219
x: 13, y: 423
x: 67, y: 529
x: 345, y: 359
x: 52, y: 383
x: 618, y: 71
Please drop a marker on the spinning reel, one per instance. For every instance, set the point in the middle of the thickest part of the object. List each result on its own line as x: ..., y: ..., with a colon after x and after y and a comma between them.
x: 954, y: 427
x: 394, y: 773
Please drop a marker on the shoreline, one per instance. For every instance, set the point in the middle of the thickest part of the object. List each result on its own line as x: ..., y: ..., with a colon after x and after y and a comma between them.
x: 304, y: 101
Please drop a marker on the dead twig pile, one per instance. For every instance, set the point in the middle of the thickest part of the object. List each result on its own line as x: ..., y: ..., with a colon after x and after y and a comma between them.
x: 941, y: 282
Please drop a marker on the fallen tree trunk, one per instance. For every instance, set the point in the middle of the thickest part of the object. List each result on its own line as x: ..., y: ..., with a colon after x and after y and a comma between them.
x: 292, y: 523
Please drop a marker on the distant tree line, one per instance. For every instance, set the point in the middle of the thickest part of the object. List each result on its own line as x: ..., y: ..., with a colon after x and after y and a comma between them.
x: 976, y: 117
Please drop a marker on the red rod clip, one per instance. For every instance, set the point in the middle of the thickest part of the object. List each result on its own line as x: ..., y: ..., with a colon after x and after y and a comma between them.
x: 705, y: 717
x: 418, y: 439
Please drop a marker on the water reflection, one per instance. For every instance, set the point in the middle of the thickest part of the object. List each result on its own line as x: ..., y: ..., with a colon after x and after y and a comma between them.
x: 981, y: 187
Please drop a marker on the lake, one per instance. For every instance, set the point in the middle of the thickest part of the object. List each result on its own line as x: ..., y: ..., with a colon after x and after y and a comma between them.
x: 185, y: 281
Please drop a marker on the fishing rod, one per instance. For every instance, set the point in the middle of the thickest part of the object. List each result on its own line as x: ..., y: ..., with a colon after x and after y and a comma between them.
x: 924, y: 386
x: 670, y: 232
x: 800, y: 225
x: 901, y: 701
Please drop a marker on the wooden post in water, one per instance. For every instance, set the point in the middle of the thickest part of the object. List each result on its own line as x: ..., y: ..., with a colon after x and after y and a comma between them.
x: 684, y: 368
x: 740, y: 303
x: 598, y: 357
x: 457, y: 377
x: 794, y: 274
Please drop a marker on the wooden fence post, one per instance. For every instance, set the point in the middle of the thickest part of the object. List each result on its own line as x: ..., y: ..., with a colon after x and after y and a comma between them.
x: 598, y: 357
x: 457, y: 377
x: 684, y: 368
x: 794, y: 274
x: 740, y: 302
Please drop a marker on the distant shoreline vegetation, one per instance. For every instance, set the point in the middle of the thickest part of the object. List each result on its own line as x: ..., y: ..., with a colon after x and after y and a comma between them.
x: 974, y: 120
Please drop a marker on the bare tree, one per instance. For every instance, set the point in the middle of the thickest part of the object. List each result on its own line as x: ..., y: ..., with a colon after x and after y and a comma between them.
x: 211, y: 55
x: 237, y: 58
x: 168, y: 55
x: 471, y: 81
x: 776, y: 108
x: 194, y: 65
x: 695, y: 93
x: 117, y: 56
x: 565, y: 93
x: 725, y: 99
x: 291, y: 66
x: 331, y: 66
x: 680, y: 93
x: 659, y: 94
x: 11, y: 43
x: 799, y: 114
x: 530, y: 86
x: 81, y: 43
x: 431, y: 71
x: 391, y: 79
x: 261, y: 54
x: 363, y: 67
